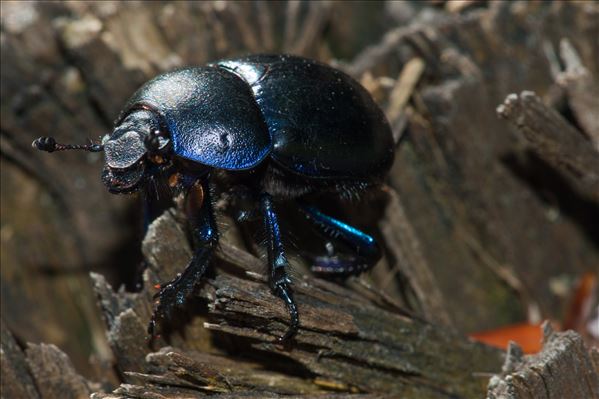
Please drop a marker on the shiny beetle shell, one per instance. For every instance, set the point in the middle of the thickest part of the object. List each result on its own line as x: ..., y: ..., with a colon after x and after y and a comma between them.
x: 313, y: 120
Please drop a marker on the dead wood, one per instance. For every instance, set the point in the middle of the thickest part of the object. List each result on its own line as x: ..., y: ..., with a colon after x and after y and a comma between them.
x: 554, y: 139
x: 54, y: 373
x: 582, y: 88
x: 42, y: 371
x: 345, y: 343
x: 565, y: 368
x: 400, y: 236
x: 16, y: 380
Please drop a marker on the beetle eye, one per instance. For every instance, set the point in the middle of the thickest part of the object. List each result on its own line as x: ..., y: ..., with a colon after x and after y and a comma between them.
x: 155, y: 141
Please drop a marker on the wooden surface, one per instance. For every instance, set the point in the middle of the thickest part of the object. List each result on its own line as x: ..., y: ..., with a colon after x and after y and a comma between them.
x: 483, y: 226
x: 347, y: 340
x: 554, y: 140
x: 565, y: 368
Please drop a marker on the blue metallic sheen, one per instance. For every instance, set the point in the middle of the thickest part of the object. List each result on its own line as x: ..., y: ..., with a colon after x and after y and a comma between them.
x: 210, y: 114
x: 364, y: 243
x: 276, y: 252
x: 367, y: 251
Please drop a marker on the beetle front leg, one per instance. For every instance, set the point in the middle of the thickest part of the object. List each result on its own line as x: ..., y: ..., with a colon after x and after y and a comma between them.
x: 279, y: 280
x: 200, y: 214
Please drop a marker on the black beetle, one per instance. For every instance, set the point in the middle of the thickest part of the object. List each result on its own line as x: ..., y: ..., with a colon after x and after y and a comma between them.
x: 279, y: 126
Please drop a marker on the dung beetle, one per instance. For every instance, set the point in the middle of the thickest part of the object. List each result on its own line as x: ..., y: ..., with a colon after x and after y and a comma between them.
x: 279, y: 127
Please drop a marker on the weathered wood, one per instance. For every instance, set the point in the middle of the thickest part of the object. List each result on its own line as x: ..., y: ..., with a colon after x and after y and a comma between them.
x: 16, y: 380
x: 41, y: 371
x: 471, y: 191
x: 54, y: 373
x: 563, y: 369
x: 582, y: 89
x: 554, y: 139
x: 344, y: 338
x: 404, y: 244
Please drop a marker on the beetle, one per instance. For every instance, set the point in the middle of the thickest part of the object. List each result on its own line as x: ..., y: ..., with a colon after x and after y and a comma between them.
x: 280, y: 127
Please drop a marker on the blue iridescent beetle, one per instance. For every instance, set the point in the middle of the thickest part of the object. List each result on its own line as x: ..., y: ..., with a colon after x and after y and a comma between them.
x: 279, y: 127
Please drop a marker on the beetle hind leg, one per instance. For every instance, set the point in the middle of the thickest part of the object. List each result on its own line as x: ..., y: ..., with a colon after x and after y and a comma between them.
x: 366, y: 250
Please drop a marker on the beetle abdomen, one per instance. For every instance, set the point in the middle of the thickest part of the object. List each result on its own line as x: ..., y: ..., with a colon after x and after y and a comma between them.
x: 323, y: 124
x: 211, y: 116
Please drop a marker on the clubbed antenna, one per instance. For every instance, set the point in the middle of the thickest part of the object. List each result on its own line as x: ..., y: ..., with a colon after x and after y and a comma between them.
x: 50, y: 145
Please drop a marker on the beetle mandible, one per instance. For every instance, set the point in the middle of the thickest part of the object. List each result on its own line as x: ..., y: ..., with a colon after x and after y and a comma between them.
x: 279, y: 126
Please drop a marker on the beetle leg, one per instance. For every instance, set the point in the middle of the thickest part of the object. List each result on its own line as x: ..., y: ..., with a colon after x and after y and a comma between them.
x: 200, y: 214
x: 279, y: 280
x: 243, y: 203
x: 367, y: 251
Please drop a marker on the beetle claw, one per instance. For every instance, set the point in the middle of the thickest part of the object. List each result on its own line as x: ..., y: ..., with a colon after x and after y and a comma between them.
x: 291, y: 331
x: 152, y: 327
x: 165, y: 302
x: 283, y: 291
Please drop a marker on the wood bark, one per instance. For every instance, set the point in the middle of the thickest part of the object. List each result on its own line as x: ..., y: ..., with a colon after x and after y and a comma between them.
x: 42, y: 371
x: 565, y: 368
x: 347, y: 341
x: 478, y: 225
x: 554, y: 139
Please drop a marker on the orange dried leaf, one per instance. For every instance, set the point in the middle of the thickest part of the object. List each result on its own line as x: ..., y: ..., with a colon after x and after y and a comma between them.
x: 581, y: 303
x: 528, y: 336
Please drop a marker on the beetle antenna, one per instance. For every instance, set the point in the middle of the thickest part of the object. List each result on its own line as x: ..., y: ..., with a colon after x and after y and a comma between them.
x: 50, y: 145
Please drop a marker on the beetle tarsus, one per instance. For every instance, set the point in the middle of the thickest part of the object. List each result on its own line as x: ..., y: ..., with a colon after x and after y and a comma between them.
x: 284, y: 292
x: 280, y: 282
x: 165, y: 305
x: 367, y: 251
x: 152, y: 327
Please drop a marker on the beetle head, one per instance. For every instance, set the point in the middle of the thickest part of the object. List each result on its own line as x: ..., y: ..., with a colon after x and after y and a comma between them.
x: 135, y: 148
